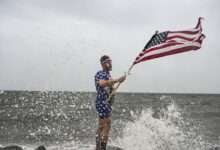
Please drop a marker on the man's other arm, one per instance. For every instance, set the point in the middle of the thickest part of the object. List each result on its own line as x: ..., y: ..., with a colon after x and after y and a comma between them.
x: 111, y: 82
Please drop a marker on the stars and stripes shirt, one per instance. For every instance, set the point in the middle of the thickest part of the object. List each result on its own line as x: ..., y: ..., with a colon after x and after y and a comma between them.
x: 102, y: 92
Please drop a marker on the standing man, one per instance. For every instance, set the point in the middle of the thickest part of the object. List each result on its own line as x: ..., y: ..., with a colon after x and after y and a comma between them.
x: 104, y: 86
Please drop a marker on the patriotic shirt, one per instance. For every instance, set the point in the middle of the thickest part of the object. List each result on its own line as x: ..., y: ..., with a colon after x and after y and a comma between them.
x: 104, y: 109
x: 102, y: 92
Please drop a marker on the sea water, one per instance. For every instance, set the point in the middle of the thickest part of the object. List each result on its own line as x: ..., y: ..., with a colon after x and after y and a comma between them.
x: 141, y: 121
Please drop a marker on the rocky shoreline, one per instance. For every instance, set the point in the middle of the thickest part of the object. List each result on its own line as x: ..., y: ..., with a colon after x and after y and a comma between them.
x: 14, y: 147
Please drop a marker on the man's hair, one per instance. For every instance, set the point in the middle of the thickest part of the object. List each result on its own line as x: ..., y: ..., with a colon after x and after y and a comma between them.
x: 104, y: 58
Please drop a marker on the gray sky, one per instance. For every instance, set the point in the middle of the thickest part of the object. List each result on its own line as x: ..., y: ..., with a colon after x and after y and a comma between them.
x: 56, y: 44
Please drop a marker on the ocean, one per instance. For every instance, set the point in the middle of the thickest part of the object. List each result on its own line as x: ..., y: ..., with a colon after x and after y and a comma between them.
x: 141, y: 121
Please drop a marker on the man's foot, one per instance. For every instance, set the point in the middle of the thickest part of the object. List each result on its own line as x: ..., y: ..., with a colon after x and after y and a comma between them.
x: 103, y: 146
x: 98, y: 143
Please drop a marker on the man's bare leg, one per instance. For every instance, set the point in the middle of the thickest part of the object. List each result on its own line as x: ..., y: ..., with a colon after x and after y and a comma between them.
x: 98, y: 135
x: 106, y: 123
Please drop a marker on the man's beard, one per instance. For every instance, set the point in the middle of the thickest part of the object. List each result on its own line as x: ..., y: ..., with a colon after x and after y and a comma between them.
x: 109, y: 67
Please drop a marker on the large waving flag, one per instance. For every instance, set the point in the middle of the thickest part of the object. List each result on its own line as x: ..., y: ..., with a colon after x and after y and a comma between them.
x: 172, y: 42
x: 169, y: 43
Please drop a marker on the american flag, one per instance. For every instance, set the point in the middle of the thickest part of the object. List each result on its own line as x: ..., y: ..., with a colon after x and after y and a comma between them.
x: 172, y: 42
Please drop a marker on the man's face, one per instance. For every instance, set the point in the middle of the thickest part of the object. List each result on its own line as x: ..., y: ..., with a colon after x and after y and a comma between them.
x: 108, y: 65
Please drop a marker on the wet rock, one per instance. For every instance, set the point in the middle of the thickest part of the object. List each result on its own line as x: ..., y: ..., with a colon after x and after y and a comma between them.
x: 11, y: 148
x: 40, y: 148
x: 215, y: 148
x: 14, y: 147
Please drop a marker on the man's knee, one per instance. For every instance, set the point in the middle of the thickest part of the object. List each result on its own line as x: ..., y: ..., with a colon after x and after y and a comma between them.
x: 105, y: 124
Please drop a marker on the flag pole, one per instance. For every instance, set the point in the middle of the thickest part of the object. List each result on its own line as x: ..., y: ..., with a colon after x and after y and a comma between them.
x: 114, y: 90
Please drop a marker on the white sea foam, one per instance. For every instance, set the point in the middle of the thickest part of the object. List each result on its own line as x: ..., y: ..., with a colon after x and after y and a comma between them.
x: 163, y: 133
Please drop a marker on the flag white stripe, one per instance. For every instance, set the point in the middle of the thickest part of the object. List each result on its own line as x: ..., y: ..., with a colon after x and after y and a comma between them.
x: 184, y: 35
x: 191, y: 30
x: 178, y: 39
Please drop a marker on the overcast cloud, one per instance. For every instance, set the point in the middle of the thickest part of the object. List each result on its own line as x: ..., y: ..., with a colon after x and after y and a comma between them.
x: 56, y: 44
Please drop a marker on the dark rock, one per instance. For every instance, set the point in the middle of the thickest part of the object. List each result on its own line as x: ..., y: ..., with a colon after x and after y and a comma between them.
x: 215, y: 148
x: 113, y: 148
x: 11, y: 148
x: 40, y: 148
x: 14, y: 147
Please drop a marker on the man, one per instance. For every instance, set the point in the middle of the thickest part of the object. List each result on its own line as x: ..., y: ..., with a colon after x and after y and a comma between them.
x: 104, y: 86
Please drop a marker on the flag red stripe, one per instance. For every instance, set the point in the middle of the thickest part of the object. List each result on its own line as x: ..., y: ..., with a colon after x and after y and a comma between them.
x: 199, y: 23
x: 186, y: 32
x: 171, y: 52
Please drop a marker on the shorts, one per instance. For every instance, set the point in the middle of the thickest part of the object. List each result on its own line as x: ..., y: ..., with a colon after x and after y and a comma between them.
x: 104, y: 110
